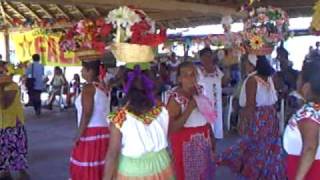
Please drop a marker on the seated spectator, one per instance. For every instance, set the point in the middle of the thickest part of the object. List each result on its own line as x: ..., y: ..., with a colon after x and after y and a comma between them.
x: 74, y: 88
x: 57, y: 83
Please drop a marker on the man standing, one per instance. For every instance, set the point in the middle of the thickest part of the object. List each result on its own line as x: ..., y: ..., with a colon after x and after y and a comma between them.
x: 211, y: 79
x: 287, y: 75
x: 35, y: 71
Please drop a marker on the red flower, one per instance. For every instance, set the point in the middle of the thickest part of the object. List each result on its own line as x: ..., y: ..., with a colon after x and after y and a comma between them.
x: 141, y: 27
x: 149, y: 39
x: 98, y: 46
x: 100, y: 22
x: 105, y: 29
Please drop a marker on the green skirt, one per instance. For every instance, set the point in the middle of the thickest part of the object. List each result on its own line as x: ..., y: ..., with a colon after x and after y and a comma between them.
x: 153, y: 166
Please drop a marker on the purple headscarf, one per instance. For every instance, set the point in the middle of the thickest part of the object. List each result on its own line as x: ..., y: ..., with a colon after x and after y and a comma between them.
x: 147, y: 83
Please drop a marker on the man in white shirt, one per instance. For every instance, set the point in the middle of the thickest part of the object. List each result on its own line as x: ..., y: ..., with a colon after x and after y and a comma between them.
x: 36, y: 71
x: 211, y: 79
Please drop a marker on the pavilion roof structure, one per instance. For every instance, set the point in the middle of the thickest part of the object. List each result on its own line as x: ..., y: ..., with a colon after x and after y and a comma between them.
x: 169, y: 13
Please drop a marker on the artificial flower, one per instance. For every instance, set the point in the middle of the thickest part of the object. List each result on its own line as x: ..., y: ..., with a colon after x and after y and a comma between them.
x: 105, y: 30
x: 98, y: 46
x: 148, y: 38
x: 263, y: 18
x: 256, y: 42
x: 100, y: 22
x: 141, y: 27
x: 123, y: 16
x: 152, y: 24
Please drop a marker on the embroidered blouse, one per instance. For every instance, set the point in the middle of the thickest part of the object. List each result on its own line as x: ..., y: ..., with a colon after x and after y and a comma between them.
x: 292, y: 139
x: 142, y: 134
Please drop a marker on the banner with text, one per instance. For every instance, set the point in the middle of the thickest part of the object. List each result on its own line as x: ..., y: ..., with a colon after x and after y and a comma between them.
x: 46, y: 45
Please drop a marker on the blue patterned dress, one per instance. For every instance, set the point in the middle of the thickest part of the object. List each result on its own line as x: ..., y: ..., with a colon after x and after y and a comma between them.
x: 258, y: 154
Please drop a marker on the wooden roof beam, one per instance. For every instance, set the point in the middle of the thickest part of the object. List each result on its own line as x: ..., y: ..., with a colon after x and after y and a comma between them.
x: 95, y: 10
x: 45, y: 10
x: 32, y: 11
x: 164, y: 5
x: 80, y: 12
x: 15, y: 10
x: 3, y: 13
x: 63, y: 12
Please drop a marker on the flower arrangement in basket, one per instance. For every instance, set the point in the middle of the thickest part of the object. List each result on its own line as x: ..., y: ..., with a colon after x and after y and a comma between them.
x: 135, y: 35
x: 128, y: 32
x: 264, y: 28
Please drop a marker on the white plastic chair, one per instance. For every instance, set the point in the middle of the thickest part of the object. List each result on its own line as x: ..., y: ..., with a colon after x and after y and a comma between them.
x: 282, y: 115
x: 229, y: 111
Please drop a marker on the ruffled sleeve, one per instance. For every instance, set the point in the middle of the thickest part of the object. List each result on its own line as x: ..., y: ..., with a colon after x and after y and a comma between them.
x: 309, y: 111
x: 117, y: 118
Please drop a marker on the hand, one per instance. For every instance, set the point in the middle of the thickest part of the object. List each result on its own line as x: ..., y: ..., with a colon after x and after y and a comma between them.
x: 191, y: 105
x: 194, y: 90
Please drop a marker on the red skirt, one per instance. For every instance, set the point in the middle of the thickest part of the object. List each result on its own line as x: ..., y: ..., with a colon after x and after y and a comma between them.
x: 292, y: 167
x: 88, y: 155
x: 192, y: 153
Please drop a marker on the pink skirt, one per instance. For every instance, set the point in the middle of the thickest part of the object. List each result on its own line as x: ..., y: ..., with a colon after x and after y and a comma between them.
x: 292, y: 167
x: 88, y: 155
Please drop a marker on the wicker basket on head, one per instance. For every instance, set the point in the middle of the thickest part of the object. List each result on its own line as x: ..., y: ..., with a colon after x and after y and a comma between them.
x: 265, y: 50
x: 88, y: 55
x: 132, y: 53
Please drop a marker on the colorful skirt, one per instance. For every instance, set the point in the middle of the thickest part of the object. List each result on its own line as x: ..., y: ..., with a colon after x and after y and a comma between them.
x: 292, y: 164
x: 192, y: 153
x: 151, y: 166
x: 88, y: 156
x: 13, y: 148
x: 258, y: 154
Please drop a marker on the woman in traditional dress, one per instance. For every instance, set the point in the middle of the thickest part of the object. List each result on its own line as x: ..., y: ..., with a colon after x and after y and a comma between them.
x: 257, y: 155
x: 301, y: 137
x: 212, y: 80
x: 250, y: 69
x: 138, y: 145
x: 191, y: 136
x: 13, y: 138
x: 92, y: 139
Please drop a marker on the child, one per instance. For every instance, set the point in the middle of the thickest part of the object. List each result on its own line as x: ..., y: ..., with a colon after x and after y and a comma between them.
x: 75, y: 88
x: 191, y: 136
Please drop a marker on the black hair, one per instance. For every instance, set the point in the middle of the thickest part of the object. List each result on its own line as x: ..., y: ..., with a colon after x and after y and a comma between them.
x: 311, y: 74
x: 263, y: 66
x: 183, y: 65
x: 137, y: 97
x: 77, y: 77
x: 205, y: 51
x: 58, y: 68
x: 36, y: 57
x: 92, y: 65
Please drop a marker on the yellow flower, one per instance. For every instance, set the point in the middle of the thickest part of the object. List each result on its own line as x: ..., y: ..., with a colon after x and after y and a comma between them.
x: 256, y: 42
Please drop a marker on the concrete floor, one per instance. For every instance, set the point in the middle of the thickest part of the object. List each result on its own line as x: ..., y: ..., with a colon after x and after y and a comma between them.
x: 50, y: 142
